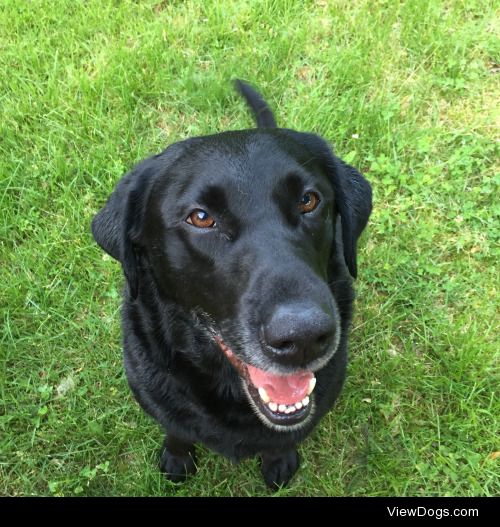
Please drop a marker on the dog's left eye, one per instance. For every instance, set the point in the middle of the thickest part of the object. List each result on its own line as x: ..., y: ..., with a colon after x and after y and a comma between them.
x: 201, y: 219
x: 308, y: 202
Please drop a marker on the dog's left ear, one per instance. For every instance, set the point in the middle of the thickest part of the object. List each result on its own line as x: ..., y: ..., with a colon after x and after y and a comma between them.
x: 353, y: 199
x: 353, y: 194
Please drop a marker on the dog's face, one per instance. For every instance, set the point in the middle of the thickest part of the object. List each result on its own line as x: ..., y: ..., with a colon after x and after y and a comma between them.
x: 239, y: 230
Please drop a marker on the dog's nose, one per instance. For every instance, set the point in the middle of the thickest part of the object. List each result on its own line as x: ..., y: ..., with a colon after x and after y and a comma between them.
x: 297, y: 334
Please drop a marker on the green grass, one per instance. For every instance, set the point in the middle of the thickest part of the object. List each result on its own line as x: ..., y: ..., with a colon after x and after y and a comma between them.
x: 406, y: 91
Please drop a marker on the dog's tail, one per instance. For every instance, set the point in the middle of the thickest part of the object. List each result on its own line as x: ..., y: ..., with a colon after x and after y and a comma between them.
x: 263, y: 114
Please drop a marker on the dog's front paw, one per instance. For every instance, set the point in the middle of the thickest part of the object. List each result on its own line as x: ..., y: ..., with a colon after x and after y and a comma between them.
x: 177, y: 467
x: 279, y: 470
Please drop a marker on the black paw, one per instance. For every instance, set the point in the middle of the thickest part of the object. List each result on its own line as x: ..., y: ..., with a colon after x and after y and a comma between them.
x: 177, y: 468
x: 278, y: 470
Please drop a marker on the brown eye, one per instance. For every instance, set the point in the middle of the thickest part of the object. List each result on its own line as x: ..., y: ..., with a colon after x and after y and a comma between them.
x: 308, y: 202
x: 201, y: 219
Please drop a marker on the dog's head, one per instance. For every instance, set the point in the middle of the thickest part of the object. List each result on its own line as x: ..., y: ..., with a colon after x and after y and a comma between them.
x: 242, y: 229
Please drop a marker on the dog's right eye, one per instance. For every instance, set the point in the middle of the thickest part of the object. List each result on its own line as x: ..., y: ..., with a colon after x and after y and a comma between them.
x: 201, y: 219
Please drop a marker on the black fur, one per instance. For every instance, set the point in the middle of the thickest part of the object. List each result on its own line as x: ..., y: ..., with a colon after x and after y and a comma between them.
x: 263, y: 115
x: 187, y: 286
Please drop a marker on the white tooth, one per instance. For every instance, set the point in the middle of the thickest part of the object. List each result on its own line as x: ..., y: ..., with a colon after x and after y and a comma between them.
x: 298, y: 406
x: 281, y: 407
x: 288, y: 410
x: 273, y: 407
x: 263, y: 395
x: 292, y: 409
x: 312, y: 384
x: 305, y: 401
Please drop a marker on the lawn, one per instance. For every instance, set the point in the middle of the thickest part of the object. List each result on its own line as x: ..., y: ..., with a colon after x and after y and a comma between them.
x: 405, y: 91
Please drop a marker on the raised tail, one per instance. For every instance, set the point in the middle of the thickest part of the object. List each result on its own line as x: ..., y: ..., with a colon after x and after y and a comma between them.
x: 263, y: 114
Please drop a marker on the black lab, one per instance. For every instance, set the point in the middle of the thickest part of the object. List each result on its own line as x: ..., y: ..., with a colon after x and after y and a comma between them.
x: 238, y: 251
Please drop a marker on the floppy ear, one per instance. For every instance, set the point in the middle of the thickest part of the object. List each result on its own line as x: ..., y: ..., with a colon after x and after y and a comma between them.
x: 354, y: 203
x: 353, y: 194
x: 117, y: 228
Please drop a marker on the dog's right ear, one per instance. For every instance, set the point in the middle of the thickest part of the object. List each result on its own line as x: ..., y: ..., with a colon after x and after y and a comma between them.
x: 117, y: 228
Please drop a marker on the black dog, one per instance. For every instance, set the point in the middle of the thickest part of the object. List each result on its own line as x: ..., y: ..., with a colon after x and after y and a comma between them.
x: 237, y: 250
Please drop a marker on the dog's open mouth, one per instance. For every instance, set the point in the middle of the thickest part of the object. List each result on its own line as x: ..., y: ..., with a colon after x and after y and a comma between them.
x: 282, y: 400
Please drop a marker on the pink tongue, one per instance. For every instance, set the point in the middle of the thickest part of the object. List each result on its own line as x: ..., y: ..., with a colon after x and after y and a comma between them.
x: 282, y: 389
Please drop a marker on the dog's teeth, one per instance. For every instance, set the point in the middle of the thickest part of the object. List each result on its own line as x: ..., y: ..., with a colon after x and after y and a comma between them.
x: 305, y: 401
x: 312, y: 384
x: 263, y: 395
x: 273, y: 407
x: 286, y: 409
